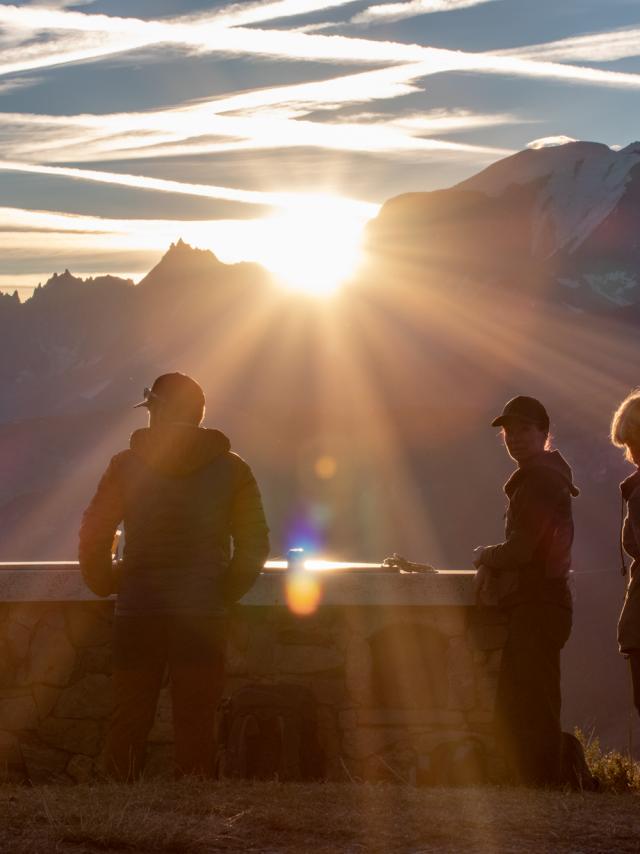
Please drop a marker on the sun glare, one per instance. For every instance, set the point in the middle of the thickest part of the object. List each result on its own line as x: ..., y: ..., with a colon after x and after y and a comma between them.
x: 313, y: 246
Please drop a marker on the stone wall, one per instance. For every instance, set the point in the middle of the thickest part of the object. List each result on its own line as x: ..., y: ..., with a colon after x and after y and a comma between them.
x: 401, y: 668
x: 55, y: 662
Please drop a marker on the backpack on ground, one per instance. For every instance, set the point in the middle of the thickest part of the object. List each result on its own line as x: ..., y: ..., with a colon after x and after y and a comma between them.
x: 269, y: 732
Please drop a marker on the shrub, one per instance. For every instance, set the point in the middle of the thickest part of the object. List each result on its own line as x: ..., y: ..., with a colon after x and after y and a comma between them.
x: 615, y: 771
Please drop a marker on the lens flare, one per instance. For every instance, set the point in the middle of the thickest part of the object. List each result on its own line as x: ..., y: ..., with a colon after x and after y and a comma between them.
x: 303, y: 592
x: 325, y: 467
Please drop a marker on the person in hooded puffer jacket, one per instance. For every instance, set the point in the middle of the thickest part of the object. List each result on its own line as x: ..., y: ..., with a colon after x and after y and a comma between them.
x: 183, y: 497
x: 527, y: 576
x: 625, y: 433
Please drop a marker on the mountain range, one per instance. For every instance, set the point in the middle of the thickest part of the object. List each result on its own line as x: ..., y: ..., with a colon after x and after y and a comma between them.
x: 559, y: 223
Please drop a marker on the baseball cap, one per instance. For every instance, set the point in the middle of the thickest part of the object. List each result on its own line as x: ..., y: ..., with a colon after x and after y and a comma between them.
x: 177, y: 391
x: 523, y: 408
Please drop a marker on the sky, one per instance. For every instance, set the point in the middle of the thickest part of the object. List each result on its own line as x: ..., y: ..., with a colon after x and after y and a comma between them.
x: 261, y: 130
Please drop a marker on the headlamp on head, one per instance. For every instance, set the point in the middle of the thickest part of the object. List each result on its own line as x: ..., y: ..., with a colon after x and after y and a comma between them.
x: 149, y: 397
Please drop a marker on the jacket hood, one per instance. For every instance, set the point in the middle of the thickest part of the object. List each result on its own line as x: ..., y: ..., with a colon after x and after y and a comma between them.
x: 178, y: 450
x: 546, y: 460
x: 630, y: 484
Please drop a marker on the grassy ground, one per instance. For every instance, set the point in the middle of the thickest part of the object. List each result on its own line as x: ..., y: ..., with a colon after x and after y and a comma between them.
x: 194, y: 816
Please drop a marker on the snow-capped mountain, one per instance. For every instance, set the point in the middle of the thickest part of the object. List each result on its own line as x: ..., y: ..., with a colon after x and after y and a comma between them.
x: 562, y: 221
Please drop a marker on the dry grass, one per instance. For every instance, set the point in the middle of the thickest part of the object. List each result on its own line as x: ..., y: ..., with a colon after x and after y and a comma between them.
x: 195, y: 816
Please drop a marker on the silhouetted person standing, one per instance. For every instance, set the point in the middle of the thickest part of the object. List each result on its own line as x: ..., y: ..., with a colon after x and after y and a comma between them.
x: 183, y: 496
x: 625, y: 433
x: 527, y: 575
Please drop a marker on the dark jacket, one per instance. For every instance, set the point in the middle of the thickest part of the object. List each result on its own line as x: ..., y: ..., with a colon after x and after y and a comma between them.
x: 629, y: 622
x: 538, y: 532
x: 183, y: 496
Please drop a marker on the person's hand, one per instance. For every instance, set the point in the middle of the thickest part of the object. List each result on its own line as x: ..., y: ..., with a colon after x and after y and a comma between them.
x: 482, y: 583
x: 477, y: 556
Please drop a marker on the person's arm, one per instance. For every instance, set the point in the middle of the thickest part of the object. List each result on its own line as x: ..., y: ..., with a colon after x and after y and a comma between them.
x: 250, y: 535
x: 631, y: 529
x: 99, y: 523
x: 533, y: 511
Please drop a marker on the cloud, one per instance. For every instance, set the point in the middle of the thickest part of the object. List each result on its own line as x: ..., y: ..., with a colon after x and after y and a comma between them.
x: 593, y: 47
x: 252, y: 13
x: 143, y: 182
x: 274, y: 117
x: 387, y: 12
x: 18, y: 83
x: 58, y: 4
x: 102, y: 35
x: 550, y: 141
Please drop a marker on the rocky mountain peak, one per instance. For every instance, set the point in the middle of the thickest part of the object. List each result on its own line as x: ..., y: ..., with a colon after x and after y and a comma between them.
x: 180, y: 263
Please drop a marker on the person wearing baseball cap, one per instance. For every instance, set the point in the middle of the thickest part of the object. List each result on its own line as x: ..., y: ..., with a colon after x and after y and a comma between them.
x: 184, y: 497
x: 527, y: 576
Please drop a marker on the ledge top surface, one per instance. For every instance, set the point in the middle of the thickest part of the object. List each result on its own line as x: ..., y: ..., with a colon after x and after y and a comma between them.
x: 61, y: 581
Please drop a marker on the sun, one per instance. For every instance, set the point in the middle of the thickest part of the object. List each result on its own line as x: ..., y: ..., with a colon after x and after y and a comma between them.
x: 313, y: 244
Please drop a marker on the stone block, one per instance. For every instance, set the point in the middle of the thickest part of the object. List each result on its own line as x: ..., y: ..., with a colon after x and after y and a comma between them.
x: 238, y: 633
x: 348, y: 718
x: 454, y: 763
x: 427, y: 742
x: 53, y: 616
x: 44, y: 764
x: 27, y: 614
x: 321, y: 622
x: 493, y: 661
x: 160, y: 762
x: 461, y: 675
x: 18, y: 711
x: 17, y: 637
x: 52, y: 656
x: 479, y: 716
x: 449, y: 621
x: 410, y: 717
x: 89, y: 698
x: 327, y: 689
x: 392, y: 766
x: 89, y: 623
x: 302, y: 636
x: 97, y: 659
x: 329, y: 740
x: 81, y: 768
x: 72, y: 735
x: 486, y: 688
x: 162, y: 729
x: 45, y: 696
x: 235, y: 660
x: 7, y: 666
x: 306, y: 659
x: 12, y: 765
x: 261, y: 650
x: 487, y: 628
x: 358, y: 666
x: 358, y: 622
x: 365, y: 741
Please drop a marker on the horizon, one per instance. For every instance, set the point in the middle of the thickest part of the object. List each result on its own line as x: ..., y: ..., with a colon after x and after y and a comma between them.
x: 246, y: 128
